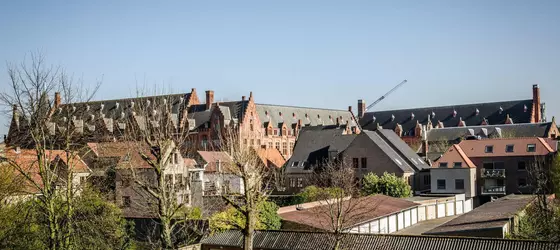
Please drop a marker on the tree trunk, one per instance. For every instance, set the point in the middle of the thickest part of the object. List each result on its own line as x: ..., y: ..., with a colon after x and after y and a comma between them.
x: 249, y: 232
x: 166, y: 234
x: 337, y: 245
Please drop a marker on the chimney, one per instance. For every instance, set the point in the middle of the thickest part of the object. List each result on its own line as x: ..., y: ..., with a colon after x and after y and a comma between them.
x: 57, y: 99
x: 536, y: 104
x: 350, y: 108
x: 209, y: 98
x: 361, y: 108
x: 242, y: 98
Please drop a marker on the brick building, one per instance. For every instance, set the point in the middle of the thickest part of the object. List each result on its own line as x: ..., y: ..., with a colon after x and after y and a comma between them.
x: 411, y: 123
x: 259, y: 125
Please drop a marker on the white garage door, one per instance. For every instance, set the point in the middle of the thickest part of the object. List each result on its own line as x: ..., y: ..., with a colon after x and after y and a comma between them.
x: 383, y: 225
x: 374, y: 225
x: 407, y: 218
x: 450, y: 208
x: 414, y: 214
x: 431, y: 212
x: 441, y: 210
x: 401, y: 221
x: 459, y: 207
x: 392, y: 223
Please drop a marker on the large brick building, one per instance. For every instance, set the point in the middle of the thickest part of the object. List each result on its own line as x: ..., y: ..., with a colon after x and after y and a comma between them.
x: 259, y: 125
x: 411, y: 123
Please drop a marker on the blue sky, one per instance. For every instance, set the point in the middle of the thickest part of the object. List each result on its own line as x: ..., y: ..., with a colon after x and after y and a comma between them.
x: 306, y: 53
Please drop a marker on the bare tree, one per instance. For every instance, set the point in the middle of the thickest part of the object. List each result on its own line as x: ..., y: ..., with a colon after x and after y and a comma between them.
x: 42, y: 126
x: 256, y: 178
x: 157, y: 131
x: 340, y: 204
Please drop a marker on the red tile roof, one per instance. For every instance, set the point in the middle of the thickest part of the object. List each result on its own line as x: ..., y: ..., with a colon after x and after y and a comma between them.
x: 271, y: 155
x: 362, y: 210
x: 212, y: 158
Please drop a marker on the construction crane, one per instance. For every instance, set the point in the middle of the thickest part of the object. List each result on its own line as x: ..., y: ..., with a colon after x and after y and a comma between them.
x: 385, y: 95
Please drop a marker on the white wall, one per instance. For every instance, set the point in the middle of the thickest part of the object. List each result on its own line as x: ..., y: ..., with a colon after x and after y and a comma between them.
x: 450, y: 175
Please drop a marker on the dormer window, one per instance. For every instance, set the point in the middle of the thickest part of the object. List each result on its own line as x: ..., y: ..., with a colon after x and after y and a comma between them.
x: 531, y: 147
x: 433, y: 114
x: 295, y: 164
x: 489, y: 149
x: 392, y: 117
x: 443, y: 164
x: 525, y: 108
x: 477, y: 111
x: 500, y: 110
x: 457, y: 164
x: 509, y: 148
x: 276, y: 132
x: 411, y: 116
x: 454, y: 113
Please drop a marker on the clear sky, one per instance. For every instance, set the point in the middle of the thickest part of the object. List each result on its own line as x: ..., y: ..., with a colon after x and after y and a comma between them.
x: 305, y: 53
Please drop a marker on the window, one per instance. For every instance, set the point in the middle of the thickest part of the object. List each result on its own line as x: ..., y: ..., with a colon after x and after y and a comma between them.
x: 82, y: 180
x: 531, y: 147
x: 521, y: 182
x: 292, y: 182
x: 488, y: 165
x: 179, y: 180
x: 521, y: 165
x: 489, y: 149
x: 440, y: 184
x: 252, y: 142
x: 291, y: 146
x: 457, y: 164
x: 258, y: 142
x: 355, y: 162
x: 459, y: 184
x: 427, y: 180
x: 300, y: 182
x: 284, y: 148
x: 295, y: 164
x: 443, y: 164
x: 509, y: 148
x: 269, y: 144
x: 284, y: 132
x: 276, y: 132
x: 252, y: 127
x: 364, y: 162
x: 125, y: 181
x: 500, y: 182
x: 126, y: 201
x: 245, y: 142
x: 278, y: 145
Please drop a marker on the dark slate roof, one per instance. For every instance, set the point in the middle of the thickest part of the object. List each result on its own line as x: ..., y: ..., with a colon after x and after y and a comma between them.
x: 277, y: 114
x: 274, y: 240
x: 489, y: 215
x: 485, y: 131
x: 314, y: 143
x: 466, y: 112
x: 394, y: 147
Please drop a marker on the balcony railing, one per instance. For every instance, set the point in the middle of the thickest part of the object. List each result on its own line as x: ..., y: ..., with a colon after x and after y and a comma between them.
x: 493, y: 173
x: 494, y: 190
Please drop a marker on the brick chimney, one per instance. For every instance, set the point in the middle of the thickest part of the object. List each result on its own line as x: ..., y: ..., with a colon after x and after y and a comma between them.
x: 361, y: 108
x: 209, y: 98
x: 536, y: 104
x: 57, y: 99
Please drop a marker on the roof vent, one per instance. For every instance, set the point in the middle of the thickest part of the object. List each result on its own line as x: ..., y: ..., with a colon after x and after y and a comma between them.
x: 164, y: 101
x: 392, y: 117
x: 101, y: 107
x: 181, y: 99
x: 454, y: 113
x: 433, y: 114
x: 374, y: 118
x: 525, y: 108
x: 92, y: 117
x: 73, y: 108
x: 87, y: 107
x: 132, y: 104
x: 117, y: 105
x: 500, y: 110
x: 122, y: 115
x: 148, y: 103
x: 411, y: 116
x: 154, y: 112
x: 477, y: 111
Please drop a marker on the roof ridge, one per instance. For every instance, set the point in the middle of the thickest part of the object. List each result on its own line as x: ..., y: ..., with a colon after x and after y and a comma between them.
x: 291, y: 106
x: 464, y: 156
x: 411, y: 236
x: 493, y: 126
x: 450, y: 106
x: 125, y: 99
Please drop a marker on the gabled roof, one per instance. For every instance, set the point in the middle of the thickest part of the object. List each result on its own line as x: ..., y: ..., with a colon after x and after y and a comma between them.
x: 314, y: 144
x: 211, y: 158
x: 277, y: 114
x: 281, y: 240
x: 485, y: 131
x: 519, y: 111
x: 126, y: 152
x: 395, y: 148
x: 490, y: 215
x: 271, y: 155
x: 362, y: 210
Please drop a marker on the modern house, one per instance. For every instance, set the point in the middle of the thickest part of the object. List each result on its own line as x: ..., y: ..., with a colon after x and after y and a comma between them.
x: 438, y: 140
x: 495, y: 219
x: 491, y: 167
x: 410, y: 124
x: 368, y: 152
x: 280, y: 240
